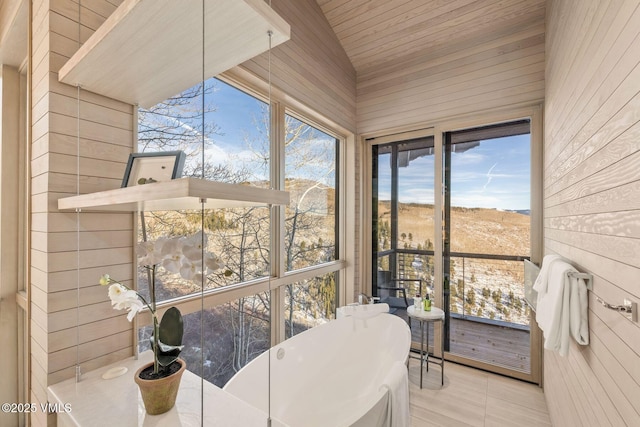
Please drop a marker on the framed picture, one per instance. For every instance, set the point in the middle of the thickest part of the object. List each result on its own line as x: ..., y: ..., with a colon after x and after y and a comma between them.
x: 146, y: 168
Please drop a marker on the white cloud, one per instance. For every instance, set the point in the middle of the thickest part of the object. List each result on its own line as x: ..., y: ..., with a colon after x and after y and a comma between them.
x: 489, y: 176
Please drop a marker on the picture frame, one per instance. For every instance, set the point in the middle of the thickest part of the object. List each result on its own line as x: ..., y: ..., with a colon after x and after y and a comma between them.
x: 145, y: 168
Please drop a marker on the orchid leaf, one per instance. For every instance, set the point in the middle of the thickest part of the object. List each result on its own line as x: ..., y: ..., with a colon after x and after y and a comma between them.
x: 171, y: 330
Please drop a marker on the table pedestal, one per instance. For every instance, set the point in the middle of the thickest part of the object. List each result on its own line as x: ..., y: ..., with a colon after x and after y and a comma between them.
x: 426, y: 317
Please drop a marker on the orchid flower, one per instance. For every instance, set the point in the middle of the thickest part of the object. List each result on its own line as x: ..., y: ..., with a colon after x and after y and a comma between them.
x: 184, y: 255
x: 191, y: 270
x: 193, y: 246
x: 124, y: 298
x: 212, y: 262
x: 151, y: 252
x: 172, y: 262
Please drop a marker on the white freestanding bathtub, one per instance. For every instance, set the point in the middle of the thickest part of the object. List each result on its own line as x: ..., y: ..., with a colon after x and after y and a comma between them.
x: 331, y: 375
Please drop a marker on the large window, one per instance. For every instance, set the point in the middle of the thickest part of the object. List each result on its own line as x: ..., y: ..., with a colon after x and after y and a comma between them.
x: 309, y: 303
x: 310, y: 222
x: 310, y: 179
x: 232, y: 145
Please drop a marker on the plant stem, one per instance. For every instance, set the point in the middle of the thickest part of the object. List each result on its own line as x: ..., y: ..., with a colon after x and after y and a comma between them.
x: 151, y: 278
x: 156, y: 328
x: 143, y: 226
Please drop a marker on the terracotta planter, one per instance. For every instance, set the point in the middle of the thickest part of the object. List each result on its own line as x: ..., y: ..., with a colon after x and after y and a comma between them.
x: 159, y: 396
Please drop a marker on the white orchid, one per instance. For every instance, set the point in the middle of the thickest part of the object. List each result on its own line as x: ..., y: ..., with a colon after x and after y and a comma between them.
x: 184, y: 255
x: 193, y: 246
x: 212, y: 262
x: 173, y: 253
x: 173, y: 262
x: 151, y: 253
x: 191, y: 270
x: 133, y: 308
x: 117, y: 292
x: 123, y: 298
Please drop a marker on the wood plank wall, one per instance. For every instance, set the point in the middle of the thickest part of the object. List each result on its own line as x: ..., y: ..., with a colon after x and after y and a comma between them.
x: 592, y: 201
x: 106, y: 139
x: 312, y: 66
x: 496, y: 69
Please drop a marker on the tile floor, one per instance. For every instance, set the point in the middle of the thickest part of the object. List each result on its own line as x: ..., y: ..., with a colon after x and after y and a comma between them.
x: 471, y: 397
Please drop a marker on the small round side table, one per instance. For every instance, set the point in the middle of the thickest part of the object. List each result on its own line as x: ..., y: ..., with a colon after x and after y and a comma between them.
x: 424, y: 317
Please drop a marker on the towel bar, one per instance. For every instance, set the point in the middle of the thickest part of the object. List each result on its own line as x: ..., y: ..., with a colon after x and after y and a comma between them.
x: 628, y: 308
x: 587, y: 277
x: 531, y: 272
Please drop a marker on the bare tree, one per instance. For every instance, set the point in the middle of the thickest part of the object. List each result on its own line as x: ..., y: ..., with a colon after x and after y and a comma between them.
x: 241, y: 236
x: 177, y: 124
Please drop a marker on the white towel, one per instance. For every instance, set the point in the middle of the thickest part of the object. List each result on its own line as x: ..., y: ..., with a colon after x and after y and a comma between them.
x: 562, y: 305
x: 397, y: 383
x: 540, y: 285
x: 578, y: 306
x: 549, y: 284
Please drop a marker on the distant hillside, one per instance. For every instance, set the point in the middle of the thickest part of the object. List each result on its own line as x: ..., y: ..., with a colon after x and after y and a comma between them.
x: 491, y: 289
x: 474, y: 230
x: 312, y: 196
x: 520, y: 211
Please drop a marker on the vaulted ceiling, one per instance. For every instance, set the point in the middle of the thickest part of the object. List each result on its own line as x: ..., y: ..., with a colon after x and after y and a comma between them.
x: 377, y: 32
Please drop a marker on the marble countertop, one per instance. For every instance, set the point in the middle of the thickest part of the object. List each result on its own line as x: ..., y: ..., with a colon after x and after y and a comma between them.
x: 95, y: 401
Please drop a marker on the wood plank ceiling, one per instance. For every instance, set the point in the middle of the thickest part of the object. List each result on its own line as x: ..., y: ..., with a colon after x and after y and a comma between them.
x: 378, y: 32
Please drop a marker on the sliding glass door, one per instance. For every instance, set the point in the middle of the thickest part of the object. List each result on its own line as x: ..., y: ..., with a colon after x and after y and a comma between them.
x: 463, y: 237
x: 486, y: 238
x: 403, y: 222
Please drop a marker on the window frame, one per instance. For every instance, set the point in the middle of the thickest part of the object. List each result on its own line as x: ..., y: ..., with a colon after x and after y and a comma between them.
x: 280, y: 107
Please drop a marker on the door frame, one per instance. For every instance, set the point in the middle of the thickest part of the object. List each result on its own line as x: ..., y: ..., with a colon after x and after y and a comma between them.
x: 532, y: 112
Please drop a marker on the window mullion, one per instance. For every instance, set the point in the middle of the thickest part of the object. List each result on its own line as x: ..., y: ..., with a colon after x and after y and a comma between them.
x: 277, y: 171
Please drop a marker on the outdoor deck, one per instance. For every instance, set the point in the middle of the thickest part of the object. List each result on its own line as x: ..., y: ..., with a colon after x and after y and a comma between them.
x: 495, y: 344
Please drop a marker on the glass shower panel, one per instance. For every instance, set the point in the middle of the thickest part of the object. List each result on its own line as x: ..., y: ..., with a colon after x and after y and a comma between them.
x: 233, y: 335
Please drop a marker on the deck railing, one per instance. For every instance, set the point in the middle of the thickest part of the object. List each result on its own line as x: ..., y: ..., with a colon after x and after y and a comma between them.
x: 483, y: 287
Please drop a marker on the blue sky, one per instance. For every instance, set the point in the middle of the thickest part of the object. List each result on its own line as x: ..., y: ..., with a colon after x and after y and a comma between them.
x: 495, y: 174
x: 236, y: 115
x: 239, y: 119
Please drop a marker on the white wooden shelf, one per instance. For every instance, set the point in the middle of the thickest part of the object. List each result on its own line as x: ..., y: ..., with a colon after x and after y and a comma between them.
x: 150, y: 50
x: 178, y: 194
